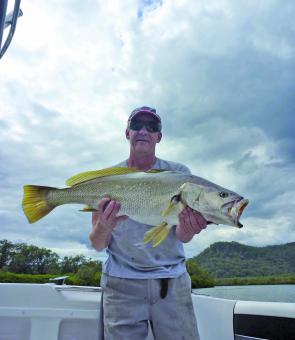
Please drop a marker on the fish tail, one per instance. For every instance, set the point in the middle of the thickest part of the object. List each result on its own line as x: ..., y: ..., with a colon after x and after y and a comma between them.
x: 35, y: 202
x: 157, y: 235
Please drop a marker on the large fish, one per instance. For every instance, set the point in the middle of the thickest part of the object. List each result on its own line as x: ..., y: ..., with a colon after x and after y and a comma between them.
x: 155, y: 197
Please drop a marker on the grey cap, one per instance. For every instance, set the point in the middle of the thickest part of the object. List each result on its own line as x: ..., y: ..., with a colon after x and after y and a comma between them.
x: 144, y: 109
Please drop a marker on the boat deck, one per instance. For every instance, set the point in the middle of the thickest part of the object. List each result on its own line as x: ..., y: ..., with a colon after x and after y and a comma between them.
x: 61, y: 312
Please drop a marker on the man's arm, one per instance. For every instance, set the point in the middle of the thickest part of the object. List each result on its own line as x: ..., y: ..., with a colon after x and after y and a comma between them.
x: 191, y: 222
x: 104, y: 221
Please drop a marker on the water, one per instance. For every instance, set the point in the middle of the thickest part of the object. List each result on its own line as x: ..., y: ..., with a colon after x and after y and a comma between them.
x: 273, y: 293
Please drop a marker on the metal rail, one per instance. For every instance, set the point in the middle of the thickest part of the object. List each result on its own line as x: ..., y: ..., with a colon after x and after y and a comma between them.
x: 84, y: 289
x: 8, y: 20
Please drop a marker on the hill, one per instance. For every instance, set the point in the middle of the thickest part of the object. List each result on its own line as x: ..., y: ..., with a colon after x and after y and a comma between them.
x: 232, y: 259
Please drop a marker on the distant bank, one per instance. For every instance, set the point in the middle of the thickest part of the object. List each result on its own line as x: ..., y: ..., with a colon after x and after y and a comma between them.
x: 221, y: 264
x: 235, y: 263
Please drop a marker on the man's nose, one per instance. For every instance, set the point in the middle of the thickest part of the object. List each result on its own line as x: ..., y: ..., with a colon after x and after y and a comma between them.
x: 143, y: 129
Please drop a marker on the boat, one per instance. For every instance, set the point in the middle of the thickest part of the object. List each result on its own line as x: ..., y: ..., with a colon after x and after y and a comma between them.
x: 56, y: 311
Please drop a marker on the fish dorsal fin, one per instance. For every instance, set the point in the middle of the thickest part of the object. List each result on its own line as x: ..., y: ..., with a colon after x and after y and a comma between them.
x: 89, y: 175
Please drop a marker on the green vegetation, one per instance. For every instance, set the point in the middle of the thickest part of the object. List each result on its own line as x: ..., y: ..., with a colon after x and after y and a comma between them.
x: 256, y: 280
x: 8, y: 277
x: 30, y: 264
x: 199, y: 276
x: 235, y: 260
x: 223, y: 263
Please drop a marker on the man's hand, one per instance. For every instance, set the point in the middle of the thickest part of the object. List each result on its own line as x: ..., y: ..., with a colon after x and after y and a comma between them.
x: 104, y: 221
x: 106, y: 215
x: 191, y: 222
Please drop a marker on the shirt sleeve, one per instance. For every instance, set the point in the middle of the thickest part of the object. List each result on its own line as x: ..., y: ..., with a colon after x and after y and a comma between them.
x: 184, y: 169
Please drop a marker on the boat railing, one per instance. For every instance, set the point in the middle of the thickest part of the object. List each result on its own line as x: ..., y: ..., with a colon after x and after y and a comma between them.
x: 6, y: 21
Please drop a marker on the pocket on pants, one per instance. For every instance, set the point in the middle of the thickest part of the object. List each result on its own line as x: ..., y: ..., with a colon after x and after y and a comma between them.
x: 103, y: 281
x: 113, y: 283
x: 187, y: 281
x: 181, y: 285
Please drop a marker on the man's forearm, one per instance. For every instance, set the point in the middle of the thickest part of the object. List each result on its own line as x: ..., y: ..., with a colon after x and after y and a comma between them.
x: 100, y: 239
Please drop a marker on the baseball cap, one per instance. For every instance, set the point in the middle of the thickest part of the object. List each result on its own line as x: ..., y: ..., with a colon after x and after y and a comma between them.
x: 144, y: 109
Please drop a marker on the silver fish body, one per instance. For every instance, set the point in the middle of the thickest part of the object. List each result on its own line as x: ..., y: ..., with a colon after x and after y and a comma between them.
x: 153, y: 198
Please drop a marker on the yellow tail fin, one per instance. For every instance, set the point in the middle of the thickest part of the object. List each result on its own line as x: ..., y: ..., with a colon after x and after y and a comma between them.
x: 35, y: 205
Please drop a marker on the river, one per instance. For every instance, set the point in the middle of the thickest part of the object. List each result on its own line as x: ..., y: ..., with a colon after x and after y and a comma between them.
x: 274, y: 293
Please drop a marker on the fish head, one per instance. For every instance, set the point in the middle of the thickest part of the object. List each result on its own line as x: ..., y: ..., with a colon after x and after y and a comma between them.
x: 216, y: 204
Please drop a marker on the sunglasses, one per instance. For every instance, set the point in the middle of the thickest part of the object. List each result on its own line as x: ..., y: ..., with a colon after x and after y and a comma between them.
x: 151, y: 126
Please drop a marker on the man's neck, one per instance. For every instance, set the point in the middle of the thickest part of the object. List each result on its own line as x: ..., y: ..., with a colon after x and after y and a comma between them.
x: 141, y: 162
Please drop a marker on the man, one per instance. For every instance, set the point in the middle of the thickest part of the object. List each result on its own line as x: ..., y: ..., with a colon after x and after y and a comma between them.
x: 142, y: 284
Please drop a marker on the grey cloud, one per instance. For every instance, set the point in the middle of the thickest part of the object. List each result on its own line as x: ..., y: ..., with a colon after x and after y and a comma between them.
x: 40, y: 109
x: 219, y: 73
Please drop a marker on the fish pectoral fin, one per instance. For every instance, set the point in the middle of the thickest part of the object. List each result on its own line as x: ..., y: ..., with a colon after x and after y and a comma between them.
x: 172, y: 204
x: 168, y: 209
x: 160, y: 237
x: 150, y: 234
x: 87, y: 208
x: 157, y: 234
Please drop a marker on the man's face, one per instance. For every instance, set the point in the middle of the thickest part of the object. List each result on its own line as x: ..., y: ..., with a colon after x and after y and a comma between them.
x: 143, y: 140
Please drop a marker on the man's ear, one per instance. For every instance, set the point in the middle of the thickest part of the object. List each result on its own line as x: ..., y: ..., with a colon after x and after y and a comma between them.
x: 127, y: 134
x: 159, y: 137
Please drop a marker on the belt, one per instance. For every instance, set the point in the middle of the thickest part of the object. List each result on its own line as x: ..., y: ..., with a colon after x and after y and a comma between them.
x: 164, y: 288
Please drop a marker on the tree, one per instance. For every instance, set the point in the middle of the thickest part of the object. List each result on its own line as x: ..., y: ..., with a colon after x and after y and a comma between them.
x: 89, y: 273
x: 71, y: 264
x: 199, y: 276
x: 6, y: 253
x: 30, y: 259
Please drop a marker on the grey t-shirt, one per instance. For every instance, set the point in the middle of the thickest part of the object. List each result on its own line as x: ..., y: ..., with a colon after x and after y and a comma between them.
x: 129, y: 258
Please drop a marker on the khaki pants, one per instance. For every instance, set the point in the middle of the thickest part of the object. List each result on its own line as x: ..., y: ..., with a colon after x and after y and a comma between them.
x: 128, y: 305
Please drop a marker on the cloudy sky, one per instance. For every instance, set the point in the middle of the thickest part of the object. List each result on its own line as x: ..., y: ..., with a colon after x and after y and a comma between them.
x: 219, y: 72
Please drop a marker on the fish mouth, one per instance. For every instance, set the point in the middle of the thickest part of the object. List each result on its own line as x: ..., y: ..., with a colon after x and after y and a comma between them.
x: 235, y: 210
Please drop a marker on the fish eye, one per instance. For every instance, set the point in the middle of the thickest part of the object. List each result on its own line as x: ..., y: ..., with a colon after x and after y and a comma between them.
x: 223, y: 194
